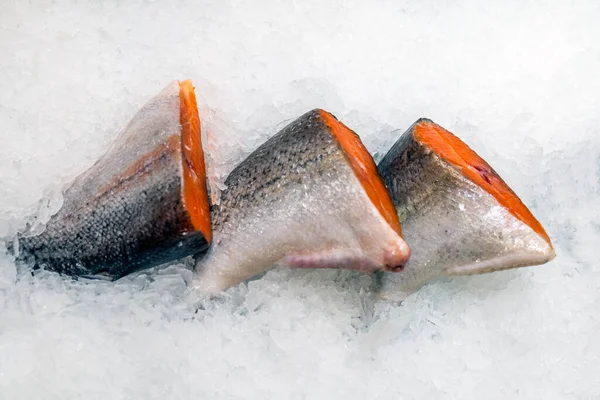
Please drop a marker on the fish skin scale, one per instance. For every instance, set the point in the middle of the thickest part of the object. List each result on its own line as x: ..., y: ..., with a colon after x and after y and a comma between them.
x: 246, y: 183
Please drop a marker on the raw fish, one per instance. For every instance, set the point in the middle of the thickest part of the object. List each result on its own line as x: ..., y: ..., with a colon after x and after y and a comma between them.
x: 142, y: 204
x: 457, y: 214
x: 310, y: 197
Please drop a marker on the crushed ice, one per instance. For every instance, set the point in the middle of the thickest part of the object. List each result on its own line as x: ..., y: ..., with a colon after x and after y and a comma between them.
x: 516, y: 81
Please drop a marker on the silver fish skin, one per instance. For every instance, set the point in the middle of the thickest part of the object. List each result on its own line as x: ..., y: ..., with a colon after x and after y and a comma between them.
x: 454, y: 225
x: 126, y: 212
x: 297, y: 202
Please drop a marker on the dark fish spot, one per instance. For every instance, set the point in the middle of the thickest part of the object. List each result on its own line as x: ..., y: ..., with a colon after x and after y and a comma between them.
x: 484, y: 173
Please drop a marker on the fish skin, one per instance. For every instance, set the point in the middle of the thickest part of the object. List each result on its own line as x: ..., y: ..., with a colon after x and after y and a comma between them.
x: 126, y: 212
x: 454, y: 226
x: 296, y: 202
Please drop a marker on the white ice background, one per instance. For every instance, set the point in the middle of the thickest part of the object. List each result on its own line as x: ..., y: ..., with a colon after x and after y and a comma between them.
x: 518, y: 81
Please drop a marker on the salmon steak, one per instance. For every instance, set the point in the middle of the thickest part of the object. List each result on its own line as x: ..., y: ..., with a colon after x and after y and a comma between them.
x: 309, y: 197
x: 142, y: 204
x: 457, y: 214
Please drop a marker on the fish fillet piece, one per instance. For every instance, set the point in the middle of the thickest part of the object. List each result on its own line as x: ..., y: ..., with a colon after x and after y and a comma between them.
x: 142, y: 204
x: 458, y: 215
x: 309, y: 197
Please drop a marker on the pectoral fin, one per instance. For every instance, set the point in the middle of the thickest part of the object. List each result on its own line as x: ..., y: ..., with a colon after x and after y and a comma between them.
x: 334, y: 258
x: 504, y: 261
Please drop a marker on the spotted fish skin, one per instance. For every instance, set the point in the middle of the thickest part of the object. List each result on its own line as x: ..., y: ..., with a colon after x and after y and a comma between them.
x: 297, y: 201
x: 126, y: 212
x: 454, y: 226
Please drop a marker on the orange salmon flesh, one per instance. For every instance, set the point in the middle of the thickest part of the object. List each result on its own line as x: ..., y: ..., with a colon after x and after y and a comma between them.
x: 195, y: 197
x: 473, y: 167
x: 365, y: 169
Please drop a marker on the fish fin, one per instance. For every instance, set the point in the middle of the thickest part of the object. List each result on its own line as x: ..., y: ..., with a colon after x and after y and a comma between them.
x: 333, y: 258
x: 502, y: 262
